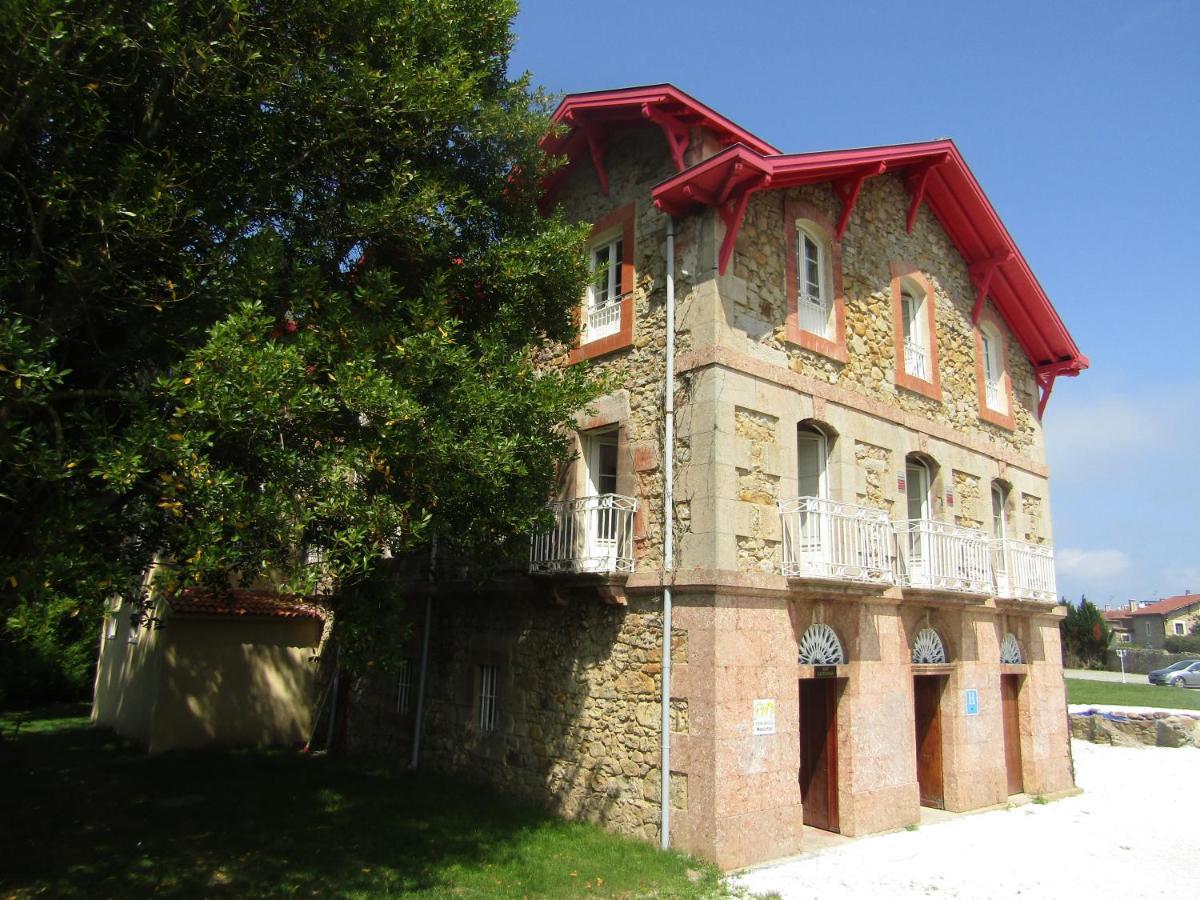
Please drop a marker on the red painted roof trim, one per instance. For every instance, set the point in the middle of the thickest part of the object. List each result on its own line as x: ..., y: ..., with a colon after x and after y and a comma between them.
x: 949, y: 189
x: 244, y: 603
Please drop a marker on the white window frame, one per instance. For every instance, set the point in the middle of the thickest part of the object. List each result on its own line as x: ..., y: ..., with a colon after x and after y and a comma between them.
x: 918, y: 359
x: 995, y: 396
x: 403, y: 686
x: 602, y: 316
x: 489, y: 677
x: 813, y: 313
x: 1179, y: 629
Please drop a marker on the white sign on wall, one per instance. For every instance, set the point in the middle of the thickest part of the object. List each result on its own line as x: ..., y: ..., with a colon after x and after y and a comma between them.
x: 764, y: 716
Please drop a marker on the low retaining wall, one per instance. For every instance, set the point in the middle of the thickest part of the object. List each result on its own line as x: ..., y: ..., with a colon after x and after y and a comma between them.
x: 1136, y: 729
x: 1144, y: 661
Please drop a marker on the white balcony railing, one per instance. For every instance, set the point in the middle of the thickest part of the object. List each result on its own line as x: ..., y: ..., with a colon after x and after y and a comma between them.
x: 994, y: 396
x: 941, y: 556
x: 591, y: 534
x: 814, y: 315
x: 604, y: 319
x: 1024, y: 571
x: 840, y: 541
x: 916, y: 360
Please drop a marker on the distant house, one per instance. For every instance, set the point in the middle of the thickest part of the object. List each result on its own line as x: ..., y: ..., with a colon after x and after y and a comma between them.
x: 234, y: 669
x: 1171, y: 617
x: 1120, y: 621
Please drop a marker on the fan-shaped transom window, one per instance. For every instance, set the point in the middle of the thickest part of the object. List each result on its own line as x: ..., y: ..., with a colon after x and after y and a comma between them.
x: 820, y: 647
x: 927, y: 648
x: 1010, y: 651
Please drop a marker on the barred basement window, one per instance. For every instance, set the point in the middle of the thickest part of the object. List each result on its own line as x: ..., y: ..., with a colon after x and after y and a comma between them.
x: 403, y: 686
x: 488, y: 676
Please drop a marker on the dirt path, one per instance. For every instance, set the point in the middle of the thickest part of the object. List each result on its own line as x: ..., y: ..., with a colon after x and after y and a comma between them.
x: 1124, y: 836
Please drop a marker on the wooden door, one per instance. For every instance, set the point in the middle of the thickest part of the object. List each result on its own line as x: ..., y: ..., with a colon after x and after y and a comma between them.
x: 818, y: 753
x: 1010, y: 686
x: 927, y: 701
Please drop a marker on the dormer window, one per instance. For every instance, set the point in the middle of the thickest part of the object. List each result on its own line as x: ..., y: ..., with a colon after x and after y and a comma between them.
x: 812, y: 289
x: 604, y: 292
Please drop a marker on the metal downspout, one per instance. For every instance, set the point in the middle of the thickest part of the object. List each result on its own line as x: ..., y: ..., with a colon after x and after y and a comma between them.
x: 668, y: 538
x: 420, y: 717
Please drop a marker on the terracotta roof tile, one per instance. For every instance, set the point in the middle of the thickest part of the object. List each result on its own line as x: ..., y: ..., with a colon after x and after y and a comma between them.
x: 1168, y: 606
x: 244, y: 602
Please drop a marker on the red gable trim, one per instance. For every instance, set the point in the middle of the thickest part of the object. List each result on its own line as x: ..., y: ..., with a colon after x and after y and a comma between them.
x: 590, y: 117
x: 938, y: 172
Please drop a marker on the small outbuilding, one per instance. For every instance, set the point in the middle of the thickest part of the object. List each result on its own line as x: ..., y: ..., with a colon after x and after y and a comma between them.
x: 237, y: 668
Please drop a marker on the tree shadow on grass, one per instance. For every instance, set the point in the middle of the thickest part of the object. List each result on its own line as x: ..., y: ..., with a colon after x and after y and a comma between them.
x: 89, y: 815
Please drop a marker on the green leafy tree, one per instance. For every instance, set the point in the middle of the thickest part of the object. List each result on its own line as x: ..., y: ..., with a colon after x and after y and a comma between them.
x: 1085, y: 635
x: 272, y: 277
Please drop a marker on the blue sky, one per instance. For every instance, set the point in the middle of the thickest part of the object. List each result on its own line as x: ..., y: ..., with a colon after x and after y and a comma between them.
x: 1082, y: 122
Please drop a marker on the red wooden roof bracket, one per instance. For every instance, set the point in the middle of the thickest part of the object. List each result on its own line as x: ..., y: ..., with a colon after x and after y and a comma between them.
x: 733, y: 211
x: 848, y: 189
x: 915, y: 180
x: 1045, y: 375
x: 597, y: 147
x: 677, y: 134
x: 981, y: 273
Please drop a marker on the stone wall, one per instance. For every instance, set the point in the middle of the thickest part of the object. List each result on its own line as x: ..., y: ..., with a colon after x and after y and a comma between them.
x: 578, y: 715
x: 968, y: 500
x: 873, y: 240
x: 755, y: 434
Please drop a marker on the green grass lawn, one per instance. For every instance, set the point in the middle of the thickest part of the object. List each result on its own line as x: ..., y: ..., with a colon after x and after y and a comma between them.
x: 86, y: 815
x: 1142, y: 694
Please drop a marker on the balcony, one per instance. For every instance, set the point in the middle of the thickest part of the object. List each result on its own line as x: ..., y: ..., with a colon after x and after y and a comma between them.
x: 603, y: 319
x: 916, y: 360
x: 592, y: 535
x: 836, y: 541
x: 814, y: 315
x: 938, y: 556
x: 994, y: 395
x: 1024, y: 571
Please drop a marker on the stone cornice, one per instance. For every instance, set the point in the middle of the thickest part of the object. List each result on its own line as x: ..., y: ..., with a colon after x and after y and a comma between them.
x: 806, y: 384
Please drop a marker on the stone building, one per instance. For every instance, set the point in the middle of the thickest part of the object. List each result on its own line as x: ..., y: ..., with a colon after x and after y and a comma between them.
x: 862, y: 575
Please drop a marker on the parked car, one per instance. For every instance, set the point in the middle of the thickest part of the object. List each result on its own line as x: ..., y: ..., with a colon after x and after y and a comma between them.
x: 1185, y: 673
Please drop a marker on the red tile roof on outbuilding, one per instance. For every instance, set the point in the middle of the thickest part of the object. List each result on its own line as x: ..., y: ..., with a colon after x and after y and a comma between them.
x: 1168, y: 606
x: 244, y: 602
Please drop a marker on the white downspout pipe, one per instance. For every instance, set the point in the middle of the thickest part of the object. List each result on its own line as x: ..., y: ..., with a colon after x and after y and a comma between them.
x: 668, y: 538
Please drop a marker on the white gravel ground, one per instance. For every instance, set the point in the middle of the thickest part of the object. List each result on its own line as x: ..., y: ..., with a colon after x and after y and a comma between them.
x: 1131, y: 834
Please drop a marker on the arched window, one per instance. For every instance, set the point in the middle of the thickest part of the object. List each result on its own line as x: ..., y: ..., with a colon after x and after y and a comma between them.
x: 813, y: 290
x: 812, y: 455
x: 1010, y: 650
x: 913, y: 319
x: 820, y: 647
x: 994, y: 390
x: 927, y: 648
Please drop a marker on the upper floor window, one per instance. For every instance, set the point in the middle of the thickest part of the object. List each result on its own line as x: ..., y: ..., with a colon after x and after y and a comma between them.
x: 1179, y: 630
x: 913, y: 321
x: 604, y: 292
x: 999, y: 501
x: 811, y: 455
x: 916, y: 340
x: 812, y: 288
x: 995, y: 397
x: 816, y: 308
x: 606, y: 316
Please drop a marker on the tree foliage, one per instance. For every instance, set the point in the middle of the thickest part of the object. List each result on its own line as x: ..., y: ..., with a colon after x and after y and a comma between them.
x: 272, y: 276
x: 1085, y: 635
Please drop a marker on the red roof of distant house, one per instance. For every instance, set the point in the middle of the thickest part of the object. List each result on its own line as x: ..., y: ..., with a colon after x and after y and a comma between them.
x: 244, y: 602
x: 1168, y: 606
x: 1114, y: 615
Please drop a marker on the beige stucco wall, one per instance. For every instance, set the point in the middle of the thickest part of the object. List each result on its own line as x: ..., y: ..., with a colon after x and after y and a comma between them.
x: 209, y: 681
x: 236, y: 683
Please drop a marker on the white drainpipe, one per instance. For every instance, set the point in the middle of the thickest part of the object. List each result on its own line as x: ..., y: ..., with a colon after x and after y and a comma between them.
x: 668, y: 538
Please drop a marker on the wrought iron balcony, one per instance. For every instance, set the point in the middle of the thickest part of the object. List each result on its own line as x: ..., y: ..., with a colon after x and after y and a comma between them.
x: 837, y: 541
x: 916, y: 360
x: 589, y: 535
x: 994, y: 395
x: 814, y: 315
x: 944, y: 557
x: 1024, y: 571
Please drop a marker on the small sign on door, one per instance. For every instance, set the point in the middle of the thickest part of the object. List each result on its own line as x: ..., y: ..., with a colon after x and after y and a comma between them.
x: 971, y: 697
x: 764, y: 716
